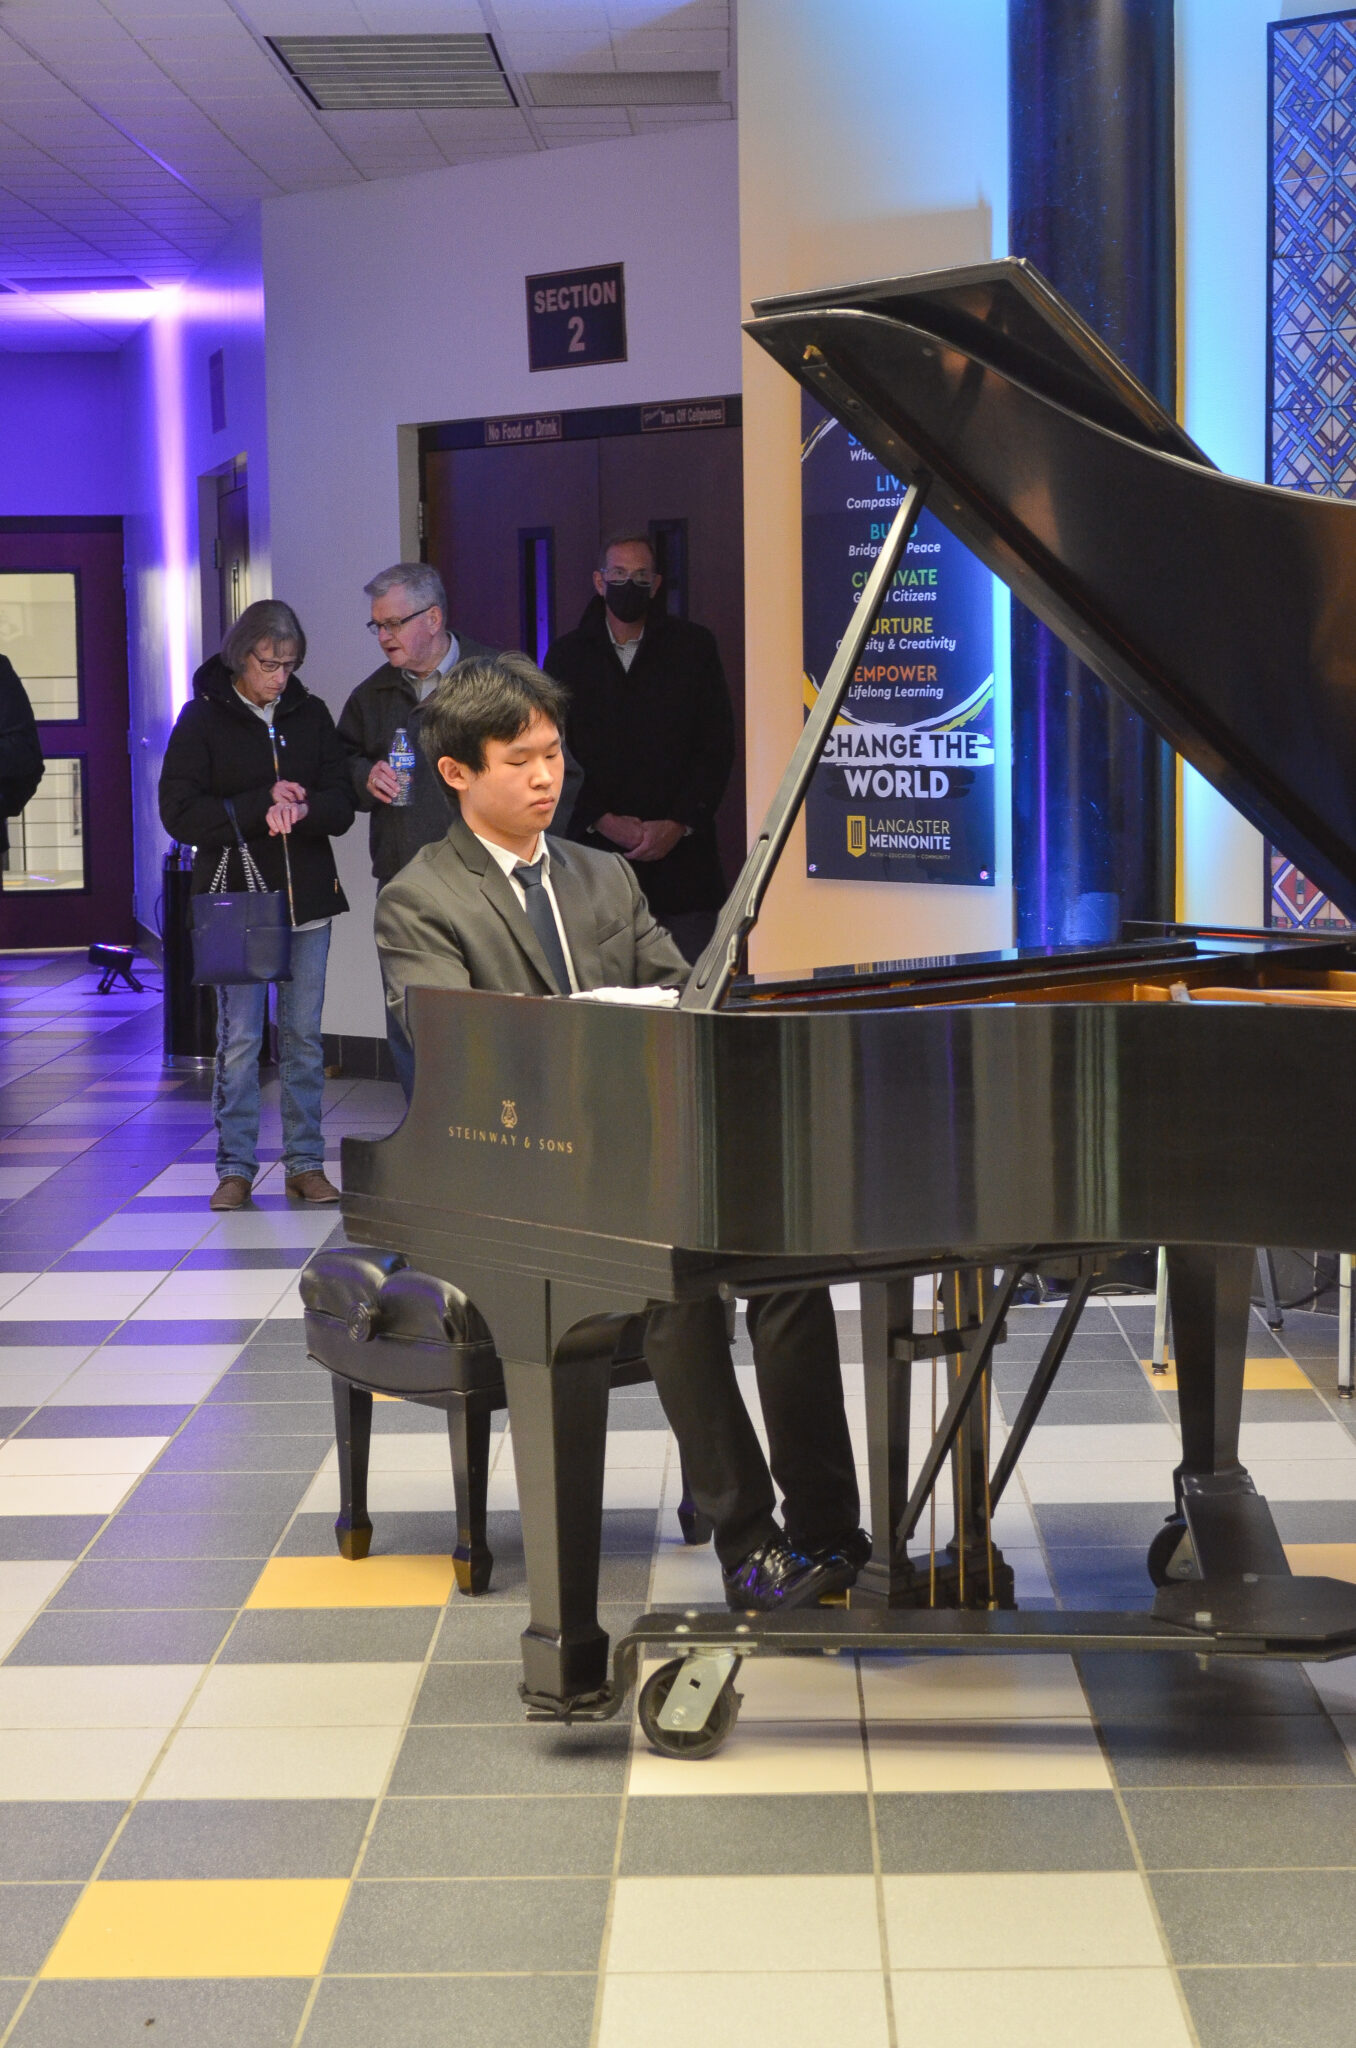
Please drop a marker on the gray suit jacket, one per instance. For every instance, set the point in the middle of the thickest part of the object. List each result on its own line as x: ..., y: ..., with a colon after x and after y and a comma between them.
x: 450, y: 919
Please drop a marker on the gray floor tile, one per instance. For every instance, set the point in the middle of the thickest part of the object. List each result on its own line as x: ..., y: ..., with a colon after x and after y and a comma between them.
x: 31, y: 1917
x: 1111, y: 1580
x: 137, y: 1582
x: 56, y: 1838
x: 210, y: 2014
x: 467, y: 1924
x: 1286, y: 2008
x: 638, y: 1408
x: 12, y: 1419
x: 218, y: 1493
x: 246, y: 1382
x: 31, y: 1536
x: 1103, y: 1524
x: 1227, y: 1749
x: 458, y: 1693
x: 488, y: 1628
x: 572, y: 1837
x: 141, y: 1418
x: 305, y: 1419
x: 409, y: 1418
x: 1314, y: 1521
x: 266, y: 1356
x: 237, y: 1453
x: 196, y: 1838
x: 977, y: 1831
x: 221, y: 1535
x: 331, y: 1635
x: 1294, y: 1829
x: 1258, y: 1916
x: 393, y: 1535
x: 481, y: 2012
x: 813, y: 1834
x: 1161, y: 1689
x: 164, y: 1638
x: 11, y: 1991
x: 535, y: 1757
x: 1074, y: 1404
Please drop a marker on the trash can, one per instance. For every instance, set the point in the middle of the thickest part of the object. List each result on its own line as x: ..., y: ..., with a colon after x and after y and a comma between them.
x: 190, y: 1012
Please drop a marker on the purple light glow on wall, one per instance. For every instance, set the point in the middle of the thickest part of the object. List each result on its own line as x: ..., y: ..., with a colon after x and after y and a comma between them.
x: 171, y: 469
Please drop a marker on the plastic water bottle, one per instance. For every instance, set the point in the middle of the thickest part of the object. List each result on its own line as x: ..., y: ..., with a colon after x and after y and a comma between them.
x: 401, y: 758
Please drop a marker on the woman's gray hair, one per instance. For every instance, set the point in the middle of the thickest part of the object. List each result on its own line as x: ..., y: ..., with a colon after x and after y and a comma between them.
x: 421, y: 579
x: 269, y: 621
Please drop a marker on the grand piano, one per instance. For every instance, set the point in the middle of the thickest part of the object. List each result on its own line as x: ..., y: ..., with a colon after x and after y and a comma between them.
x: 566, y: 1163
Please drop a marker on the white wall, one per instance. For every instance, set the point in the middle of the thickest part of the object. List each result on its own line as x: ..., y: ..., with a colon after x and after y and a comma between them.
x: 61, y: 439
x: 402, y: 301
x: 1222, y: 173
x: 170, y: 443
x: 873, y: 142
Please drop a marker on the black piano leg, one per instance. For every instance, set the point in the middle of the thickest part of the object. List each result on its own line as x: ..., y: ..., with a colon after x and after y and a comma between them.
x: 696, y: 1527
x: 888, y: 1579
x: 1230, y: 1524
x: 468, y: 1432
x: 558, y: 1431
x: 353, y: 1437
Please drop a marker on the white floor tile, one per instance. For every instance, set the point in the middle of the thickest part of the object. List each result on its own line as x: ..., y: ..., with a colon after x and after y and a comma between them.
x: 77, y: 1763
x: 170, y: 1360
x: 1261, y: 1441
x: 1055, y: 1920
x: 1335, y: 1684
x: 305, y: 1695
x: 79, y: 1297
x: 744, y: 2010
x: 1106, y: 1443
x: 1054, y: 1484
x: 276, y: 1763
x: 1040, y: 2008
x: 28, y: 1584
x: 130, y: 1231
x: 959, y: 1688
x: 696, y: 1924
x: 94, y: 1493
x: 793, y: 1689
x: 761, y: 1758
x: 262, y: 1229
x: 183, y: 1179
x: 28, y: 1386
x: 685, y: 1575
x: 388, y: 1493
x: 89, y: 1389
x: 13, y: 1283
x: 185, y: 1296
x: 95, y: 1695
x: 21, y: 1180
x: 66, y: 1457
x: 1304, y: 1479
x: 978, y: 1756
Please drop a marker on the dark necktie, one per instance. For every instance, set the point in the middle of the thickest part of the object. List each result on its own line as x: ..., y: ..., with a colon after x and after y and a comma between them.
x: 542, y: 919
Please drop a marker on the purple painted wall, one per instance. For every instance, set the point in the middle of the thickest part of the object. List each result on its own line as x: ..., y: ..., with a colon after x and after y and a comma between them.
x: 61, y: 435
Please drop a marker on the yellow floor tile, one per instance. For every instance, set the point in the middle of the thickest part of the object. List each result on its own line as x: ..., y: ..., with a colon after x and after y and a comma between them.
x: 1260, y: 1376
x: 215, y: 1927
x: 334, y: 1582
x: 1323, y: 1560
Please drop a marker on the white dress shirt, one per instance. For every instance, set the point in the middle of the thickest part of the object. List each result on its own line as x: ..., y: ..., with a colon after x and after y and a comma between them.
x: 508, y: 862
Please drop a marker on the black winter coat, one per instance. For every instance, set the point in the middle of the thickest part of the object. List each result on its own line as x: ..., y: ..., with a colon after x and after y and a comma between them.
x: 220, y: 748
x: 21, y: 763
x: 654, y: 741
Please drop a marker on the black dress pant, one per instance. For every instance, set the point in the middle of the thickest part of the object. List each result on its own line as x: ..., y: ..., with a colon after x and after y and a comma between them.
x: 800, y: 1385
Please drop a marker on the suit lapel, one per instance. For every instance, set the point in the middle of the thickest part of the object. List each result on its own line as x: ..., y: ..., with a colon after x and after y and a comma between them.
x: 497, y: 890
x: 577, y: 916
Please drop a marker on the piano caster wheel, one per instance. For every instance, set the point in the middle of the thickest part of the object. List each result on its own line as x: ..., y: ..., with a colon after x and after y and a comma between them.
x: 1171, y: 1556
x: 690, y: 1744
x: 696, y: 1527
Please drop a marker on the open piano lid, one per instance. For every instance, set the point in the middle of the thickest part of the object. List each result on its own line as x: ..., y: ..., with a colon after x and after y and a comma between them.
x: 1223, y: 611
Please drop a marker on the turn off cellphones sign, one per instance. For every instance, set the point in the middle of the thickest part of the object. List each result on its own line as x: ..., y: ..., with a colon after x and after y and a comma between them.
x: 576, y: 317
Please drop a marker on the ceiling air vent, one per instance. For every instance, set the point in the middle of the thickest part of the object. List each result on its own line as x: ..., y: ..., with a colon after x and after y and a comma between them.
x: 413, y: 73
x: 623, y: 88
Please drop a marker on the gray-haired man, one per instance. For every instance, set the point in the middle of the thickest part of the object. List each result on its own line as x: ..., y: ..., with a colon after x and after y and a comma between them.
x: 409, y: 619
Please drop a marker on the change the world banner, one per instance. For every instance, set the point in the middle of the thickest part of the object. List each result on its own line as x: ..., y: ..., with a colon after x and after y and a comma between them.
x: 904, y: 791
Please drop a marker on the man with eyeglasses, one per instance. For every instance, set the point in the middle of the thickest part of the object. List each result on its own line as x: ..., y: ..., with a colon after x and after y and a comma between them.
x: 651, y: 725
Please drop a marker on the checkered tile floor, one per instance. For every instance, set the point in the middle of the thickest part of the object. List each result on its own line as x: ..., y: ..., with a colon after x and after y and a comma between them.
x: 250, y: 1794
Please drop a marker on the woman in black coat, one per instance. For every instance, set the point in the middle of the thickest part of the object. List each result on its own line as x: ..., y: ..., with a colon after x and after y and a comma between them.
x: 256, y: 738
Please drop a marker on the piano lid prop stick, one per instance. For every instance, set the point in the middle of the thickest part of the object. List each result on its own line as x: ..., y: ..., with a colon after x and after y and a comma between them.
x: 709, y: 979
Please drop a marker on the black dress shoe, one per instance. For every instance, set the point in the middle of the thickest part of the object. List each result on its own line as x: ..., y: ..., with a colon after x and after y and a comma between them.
x: 775, y: 1577
x: 852, y: 1550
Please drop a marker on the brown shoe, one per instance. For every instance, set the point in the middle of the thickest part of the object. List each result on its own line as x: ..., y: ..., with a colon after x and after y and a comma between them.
x: 312, y: 1187
x: 231, y: 1192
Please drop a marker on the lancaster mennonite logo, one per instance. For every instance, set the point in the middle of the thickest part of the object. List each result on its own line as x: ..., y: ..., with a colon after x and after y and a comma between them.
x: 856, y: 837
x: 508, y: 1115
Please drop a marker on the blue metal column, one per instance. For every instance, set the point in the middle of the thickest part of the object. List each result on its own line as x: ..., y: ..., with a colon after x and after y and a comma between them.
x: 1091, y: 203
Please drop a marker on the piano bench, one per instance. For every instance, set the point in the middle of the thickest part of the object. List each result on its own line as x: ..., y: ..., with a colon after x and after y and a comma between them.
x: 379, y: 1327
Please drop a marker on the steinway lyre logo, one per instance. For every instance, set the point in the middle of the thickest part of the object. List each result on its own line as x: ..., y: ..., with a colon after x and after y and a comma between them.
x: 856, y: 837
x: 508, y: 1115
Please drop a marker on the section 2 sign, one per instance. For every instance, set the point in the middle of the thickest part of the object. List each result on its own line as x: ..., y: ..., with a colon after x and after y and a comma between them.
x: 576, y: 317
x: 904, y: 791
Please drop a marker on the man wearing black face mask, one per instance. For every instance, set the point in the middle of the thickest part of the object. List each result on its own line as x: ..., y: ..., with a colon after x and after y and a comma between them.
x: 651, y: 726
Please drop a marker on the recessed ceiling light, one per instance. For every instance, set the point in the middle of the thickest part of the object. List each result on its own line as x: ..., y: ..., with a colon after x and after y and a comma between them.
x: 346, y: 73
x: 623, y: 88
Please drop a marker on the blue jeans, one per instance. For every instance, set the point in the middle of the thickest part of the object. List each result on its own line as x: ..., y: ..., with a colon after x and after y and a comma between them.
x: 301, y: 1061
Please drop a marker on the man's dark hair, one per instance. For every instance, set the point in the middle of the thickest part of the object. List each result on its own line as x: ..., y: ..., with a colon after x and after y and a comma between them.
x: 488, y: 697
x: 624, y: 540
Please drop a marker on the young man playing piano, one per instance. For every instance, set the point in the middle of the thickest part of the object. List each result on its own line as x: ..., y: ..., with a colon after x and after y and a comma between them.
x: 499, y: 905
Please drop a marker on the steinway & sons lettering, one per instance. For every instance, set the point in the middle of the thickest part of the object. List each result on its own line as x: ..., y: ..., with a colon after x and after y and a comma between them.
x: 508, y: 1141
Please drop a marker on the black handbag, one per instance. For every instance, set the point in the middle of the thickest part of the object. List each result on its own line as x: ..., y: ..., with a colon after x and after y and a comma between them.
x: 241, y: 935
